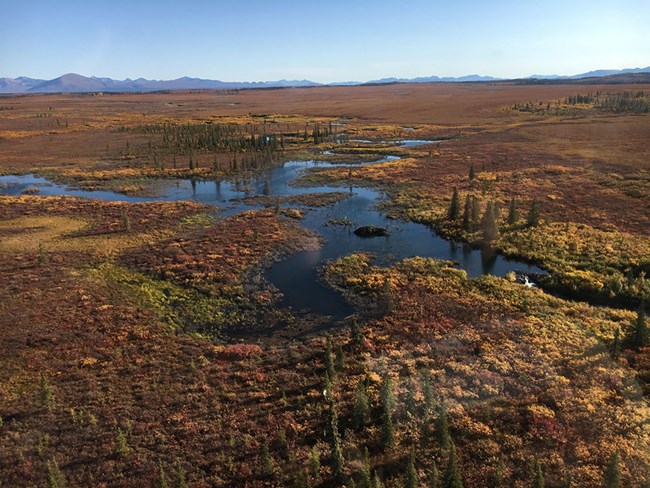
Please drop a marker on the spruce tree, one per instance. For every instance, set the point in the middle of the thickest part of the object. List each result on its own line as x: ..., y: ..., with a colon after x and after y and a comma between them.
x: 472, y: 174
x: 613, y: 472
x: 356, y: 333
x: 467, y: 214
x: 639, y: 336
x: 327, y: 386
x: 513, y: 213
x: 338, y: 462
x: 537, y: 475
x: 442, y: 427
x: 387, y: 405
x: 497, y: 210
x: 499, y: 482
x: 387, y: 429
x: 314, y: 462
x: 451, y: 478
x: 47, y: 396
x: 411, y: 472
x: 162, y: 476
x: 181, y: 482
x: 615, y: 351
x: 434, y: 476
x: 376, y: 481
x: 410, y: 404
x: 361, y: 409
x: 365, y: 480
x: 386, y: 393
x: 122, y: 443
x: 283, y: 445
x: 427, y: 393
x: 489, y: 224
x: 55, y: 478
x: 302, y: 480
x: 268, y: 465
x: 476, y: 212
x: 42, y: 254
x: 533, y: 215
x: 340, y: 358
x: 454, y: 207
x: 126, y: 222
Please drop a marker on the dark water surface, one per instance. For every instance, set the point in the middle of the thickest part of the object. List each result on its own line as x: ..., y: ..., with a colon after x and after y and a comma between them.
x: 297, y: 276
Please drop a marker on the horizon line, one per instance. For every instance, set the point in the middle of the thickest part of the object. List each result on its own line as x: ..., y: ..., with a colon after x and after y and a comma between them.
x: 501, y: 78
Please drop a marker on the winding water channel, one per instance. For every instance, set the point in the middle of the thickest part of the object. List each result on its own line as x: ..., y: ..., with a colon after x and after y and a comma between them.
x: 297, y: 276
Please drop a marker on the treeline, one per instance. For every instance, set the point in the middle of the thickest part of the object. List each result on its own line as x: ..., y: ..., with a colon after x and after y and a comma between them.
x: 629, y: 102
x: 226, y: 146
x: 184, y: 139
x: 623, y: 102
x: 636, y: 102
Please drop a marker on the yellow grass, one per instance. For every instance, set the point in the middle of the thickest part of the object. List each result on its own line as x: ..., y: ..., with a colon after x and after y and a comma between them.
x: 54, y: 234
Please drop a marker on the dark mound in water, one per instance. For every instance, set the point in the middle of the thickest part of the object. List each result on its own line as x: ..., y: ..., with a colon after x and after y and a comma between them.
x: 371, y: 231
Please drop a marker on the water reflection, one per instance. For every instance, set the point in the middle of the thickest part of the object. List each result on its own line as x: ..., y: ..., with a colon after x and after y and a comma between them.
x: 488, y: 260
x: 297, y: 276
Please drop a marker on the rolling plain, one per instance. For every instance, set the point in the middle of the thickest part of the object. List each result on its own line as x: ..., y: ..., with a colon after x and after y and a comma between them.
x: 143, y: 343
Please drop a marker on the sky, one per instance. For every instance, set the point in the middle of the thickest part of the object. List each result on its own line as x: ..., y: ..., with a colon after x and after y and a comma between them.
x: 320, y: 40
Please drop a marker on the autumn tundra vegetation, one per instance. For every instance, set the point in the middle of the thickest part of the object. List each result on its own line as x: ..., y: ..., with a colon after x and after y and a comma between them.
x: 143, y: 345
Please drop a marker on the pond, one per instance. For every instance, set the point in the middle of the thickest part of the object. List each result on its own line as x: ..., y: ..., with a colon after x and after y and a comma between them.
x: 297, y: 277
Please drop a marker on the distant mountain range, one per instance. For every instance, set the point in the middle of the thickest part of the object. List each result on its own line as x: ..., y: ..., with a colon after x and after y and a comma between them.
x: 74, y: 83
x: 593, y: 74
x: 434, y: 79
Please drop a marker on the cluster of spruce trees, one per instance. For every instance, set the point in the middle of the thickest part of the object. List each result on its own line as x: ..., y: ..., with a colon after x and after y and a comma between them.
x: 384, y: 415
x: 636, y: 102
x: 626, y: 102
x: 251, y: 146
x: 487, y: 222
x: 582, y: 99
x: 320, y: 134
x: 185, y: 139
x: 364, y: 414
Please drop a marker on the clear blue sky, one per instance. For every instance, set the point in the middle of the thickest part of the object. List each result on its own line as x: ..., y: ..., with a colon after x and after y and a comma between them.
x: 321, y: 40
